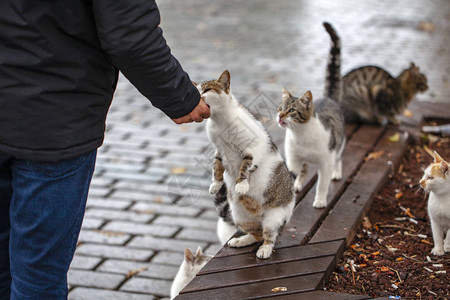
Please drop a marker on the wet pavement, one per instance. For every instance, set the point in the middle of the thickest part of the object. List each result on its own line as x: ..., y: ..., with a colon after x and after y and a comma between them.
x: 149, y: 198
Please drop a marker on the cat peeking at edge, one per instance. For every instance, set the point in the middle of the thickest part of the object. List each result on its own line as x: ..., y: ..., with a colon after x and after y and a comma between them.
x: 315, y: 130
x: 436, y: 181
x: 259, y: 185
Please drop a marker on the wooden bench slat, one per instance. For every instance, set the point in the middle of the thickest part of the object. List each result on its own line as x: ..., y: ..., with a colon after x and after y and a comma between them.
x: 357, y: 199
x: 260, y: 273
x: 318, y: 295
x: 247, y: 260
x: 252, y: 290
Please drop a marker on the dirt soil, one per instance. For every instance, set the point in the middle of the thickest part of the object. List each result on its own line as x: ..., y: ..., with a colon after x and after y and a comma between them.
x: 391, y: 252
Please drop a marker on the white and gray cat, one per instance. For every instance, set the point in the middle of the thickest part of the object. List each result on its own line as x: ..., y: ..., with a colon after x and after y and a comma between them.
x: 315, y: 130
x: 258, y: 183
x: 436, y: 181
x: 190, y: 266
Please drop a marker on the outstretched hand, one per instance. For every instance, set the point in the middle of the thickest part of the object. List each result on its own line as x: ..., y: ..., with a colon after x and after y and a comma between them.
x: 200, y: 112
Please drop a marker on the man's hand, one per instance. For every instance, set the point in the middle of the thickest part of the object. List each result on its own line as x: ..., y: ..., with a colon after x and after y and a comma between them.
x: 200, y: 112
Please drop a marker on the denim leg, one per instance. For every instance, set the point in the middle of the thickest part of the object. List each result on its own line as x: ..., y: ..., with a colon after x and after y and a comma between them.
x: 5, y: 199
x: 46, y: 213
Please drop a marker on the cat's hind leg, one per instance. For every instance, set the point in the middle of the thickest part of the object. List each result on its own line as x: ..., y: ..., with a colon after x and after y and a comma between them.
x: 273, y: 223
x: 300, y: 170
x: 447, y: 242
x: 323, y: 182
x: 438, y: 238
x: 337, y: 172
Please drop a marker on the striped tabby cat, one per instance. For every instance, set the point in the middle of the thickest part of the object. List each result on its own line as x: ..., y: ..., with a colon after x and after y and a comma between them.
x: 372, y: 95
x: 259, y: 185
x: 315, y: 130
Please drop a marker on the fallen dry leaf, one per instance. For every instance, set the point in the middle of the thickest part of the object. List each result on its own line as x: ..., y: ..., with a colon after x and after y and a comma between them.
x: 426, y: 26
x: 394, y: 138
x: 279, y: 289
x: 408, y: 113
x: 133, y: 272
x: 374, y: 155
x: 176, y: 171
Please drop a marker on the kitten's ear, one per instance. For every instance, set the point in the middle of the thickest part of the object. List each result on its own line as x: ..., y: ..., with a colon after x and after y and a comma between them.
x: 306, y: 99
x: 286, y: 94
x: 413, y: 68
x: 194, y: 83
x: 437, y: 157
x: 224, y: 80
x: 444, y: 168
x: 199, y: 252
x: 188, y: 255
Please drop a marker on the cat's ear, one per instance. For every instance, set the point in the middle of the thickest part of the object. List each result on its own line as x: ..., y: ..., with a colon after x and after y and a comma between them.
x: 444, y: 168
x: 413, y: 68
x: 286, y: 94
x: 188, y: 255
x: 306, y: 99
x: 194, y: 83
x: 224, y: 80
x: 199, y: 252
x: 437, y: 157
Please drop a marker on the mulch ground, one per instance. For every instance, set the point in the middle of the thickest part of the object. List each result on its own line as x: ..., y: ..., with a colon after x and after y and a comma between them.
x: 391, y: 252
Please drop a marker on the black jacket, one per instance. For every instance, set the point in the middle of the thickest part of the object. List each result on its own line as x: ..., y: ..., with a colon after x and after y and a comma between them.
x: 59, y: 62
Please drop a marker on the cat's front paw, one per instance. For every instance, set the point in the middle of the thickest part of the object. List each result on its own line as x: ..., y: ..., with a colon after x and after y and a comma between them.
x: 242, y: 187
x: 264, y: 252
x: 242, y: 241
x: 336, y: 175
x: 446, y: 248
x: 319, y: 203
x: 437, y: 251
x: 297, y: 186
x: 215, y: 187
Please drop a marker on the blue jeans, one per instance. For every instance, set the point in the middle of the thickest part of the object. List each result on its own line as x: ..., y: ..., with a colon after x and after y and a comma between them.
x: 42, y: 206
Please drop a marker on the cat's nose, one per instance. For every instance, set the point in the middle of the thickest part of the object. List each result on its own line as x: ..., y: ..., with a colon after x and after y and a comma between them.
x: 422, y: 183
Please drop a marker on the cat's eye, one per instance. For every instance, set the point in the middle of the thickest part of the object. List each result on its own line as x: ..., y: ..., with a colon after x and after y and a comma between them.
x: 207, y: 90
x: 430, y: 177
x: 291, y: 110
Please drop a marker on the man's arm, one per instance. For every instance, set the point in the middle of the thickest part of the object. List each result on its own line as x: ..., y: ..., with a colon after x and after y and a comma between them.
x: 129, y: 32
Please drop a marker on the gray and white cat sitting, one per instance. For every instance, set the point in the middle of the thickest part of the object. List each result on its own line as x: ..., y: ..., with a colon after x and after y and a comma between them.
x: 190, y: 266
x: 436, y: 181
x: 259, y: 185
x: 315, y: 130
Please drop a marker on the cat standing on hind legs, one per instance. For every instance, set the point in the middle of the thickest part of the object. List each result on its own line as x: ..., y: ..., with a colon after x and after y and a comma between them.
x: 259, y: 185
x: 436, y: 181
x: 315, y: 130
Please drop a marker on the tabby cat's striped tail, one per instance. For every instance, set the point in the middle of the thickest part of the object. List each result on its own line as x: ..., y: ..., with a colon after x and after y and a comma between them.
x: 333, y: 83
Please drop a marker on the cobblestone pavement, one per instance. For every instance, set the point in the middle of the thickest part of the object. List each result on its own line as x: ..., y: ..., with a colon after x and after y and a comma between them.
x: 149, y: 199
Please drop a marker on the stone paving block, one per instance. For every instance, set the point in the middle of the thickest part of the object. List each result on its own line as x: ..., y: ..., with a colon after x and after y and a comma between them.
x: 213, y: 249
x: 147, y: 285
x: 149, y: 242
x: 123, y: 158
x: 109, y: 214
x: 143, y: 178
x: 94, y: 279
x: 196, y: 234
x: 81, y: 293
x: 106, y: 251
x: 89, y: 223
x: 98, y: 181
x: 100, y: 202
x: 84, y: 262
x: 103, y: 237
x: 168, y: 258
x: 99, y: 191
x: 186, y: 222
x: 144, y: 269
x: 166, y: 209
x: 134, y: 191
x: 209, y: 214
x: 163, y: 230
x: 125, y: 166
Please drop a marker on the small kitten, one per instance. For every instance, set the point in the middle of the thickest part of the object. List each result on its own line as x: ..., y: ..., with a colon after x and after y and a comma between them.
x: 259, y: 186
x: 225, y: 225
x: 372, y: 95
x: 190, y: 266
x: 436, y: 181
x: 315, y: 131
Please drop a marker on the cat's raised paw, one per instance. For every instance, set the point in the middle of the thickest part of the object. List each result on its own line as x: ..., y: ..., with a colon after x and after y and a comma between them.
x: 215, y: 187
x: 437, y: 251
x: 264, y: 252
x: 319, y: 203
x: 242, y: 187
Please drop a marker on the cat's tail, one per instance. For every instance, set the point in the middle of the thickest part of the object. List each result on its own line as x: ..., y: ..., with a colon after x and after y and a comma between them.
x: 333, y: 84
x: 222, y: 205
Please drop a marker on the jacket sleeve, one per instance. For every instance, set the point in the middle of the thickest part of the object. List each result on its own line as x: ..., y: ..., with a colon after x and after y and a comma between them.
x: 130, y: 34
